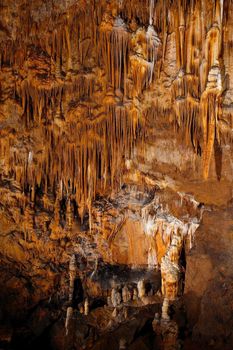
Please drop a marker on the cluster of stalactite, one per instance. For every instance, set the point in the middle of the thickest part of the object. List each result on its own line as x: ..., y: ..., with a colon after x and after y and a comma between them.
x: 77, y: 142
x: 80, y: 74
x: 86, y: 153
x: 198, y: 86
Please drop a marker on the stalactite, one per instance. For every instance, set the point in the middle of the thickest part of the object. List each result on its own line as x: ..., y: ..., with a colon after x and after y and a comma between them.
x: 173, y: 232
x: 198, y: 77
x: 146, y: 46
x: 83, y: 126
x: 114, y: 46
x: 210, y: 111
x: 152, y: 4
x: 69, y: 58
x: 181, y: 35
x: 210, y: 100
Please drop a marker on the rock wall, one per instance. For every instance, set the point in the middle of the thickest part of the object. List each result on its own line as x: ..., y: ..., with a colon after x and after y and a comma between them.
x: 208, y: 287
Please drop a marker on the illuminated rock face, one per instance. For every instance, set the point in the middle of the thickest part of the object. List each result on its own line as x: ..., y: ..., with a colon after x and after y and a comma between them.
x: 115, y: 143
x: 82, y: 87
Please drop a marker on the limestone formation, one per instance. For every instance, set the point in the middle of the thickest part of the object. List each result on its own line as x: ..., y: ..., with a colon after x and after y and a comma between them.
x: 126, y: 295
x: 69, y: 313
x: 131, y: 61
x: 115, y: 297
x: 170, y: 273
x: 135, y: 294
x: 116, y: 121
x: 141, y: 289
x: 86, y: 307
x: 165, y: 307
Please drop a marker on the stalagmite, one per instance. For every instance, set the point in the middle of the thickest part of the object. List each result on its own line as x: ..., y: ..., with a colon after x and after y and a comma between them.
x: 126, y: 295
x: 86, y: 307
x: 115, y: 297
x: 141, y: 289
x: 165, y: 307
x: 69, y: 314
x: 135, y: 294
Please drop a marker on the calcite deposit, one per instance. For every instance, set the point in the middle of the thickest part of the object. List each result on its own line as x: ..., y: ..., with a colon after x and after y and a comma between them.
x: 116, y: 174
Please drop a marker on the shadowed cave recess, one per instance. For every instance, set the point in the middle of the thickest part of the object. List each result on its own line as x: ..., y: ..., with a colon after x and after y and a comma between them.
x: 116, y: 174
